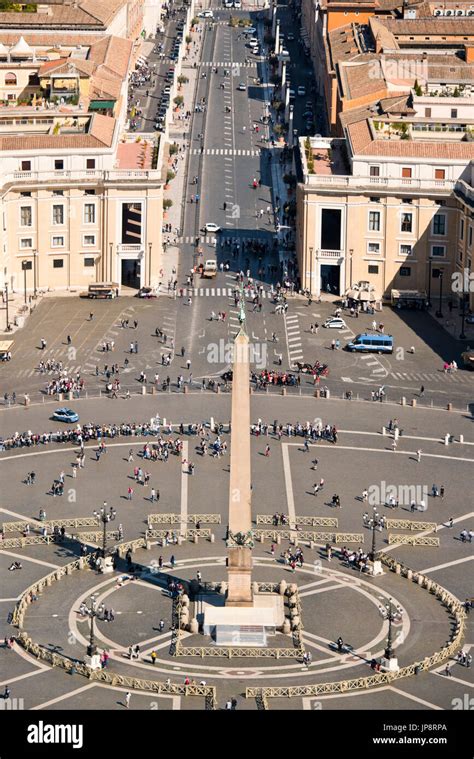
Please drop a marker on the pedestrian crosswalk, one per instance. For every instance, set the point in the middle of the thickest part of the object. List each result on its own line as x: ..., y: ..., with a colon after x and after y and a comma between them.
x: 225, y: 151
x: 229, y: 65
x: 216, y: 292
x: 293, y: 338
x: 211, y: 239
x: 424, y: 377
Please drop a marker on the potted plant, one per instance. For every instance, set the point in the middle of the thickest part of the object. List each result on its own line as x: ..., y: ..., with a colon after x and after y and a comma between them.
x: 167, y: 203
x: 182, y: 79
x: 169, y: 176
x: 178, y: 101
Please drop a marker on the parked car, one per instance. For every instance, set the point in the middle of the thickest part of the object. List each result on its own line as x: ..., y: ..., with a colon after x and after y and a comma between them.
x: 334, y: 322
x: 290, y: 37
x: 301, y: 90
x: 206, y: 14
x: 65, y: 415
x: 242, y: 87
x: 147, y: 292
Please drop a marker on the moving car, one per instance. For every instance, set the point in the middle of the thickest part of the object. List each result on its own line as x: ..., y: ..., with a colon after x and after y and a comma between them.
x: 301, y: 90
x: 284, y: 52
x: 250, y: 30
x: 290, y: 37
x: 292, y: 94
x: 206, y: 14
x: 209, y: 269
x: 370, y: 343
x: 65, y: 415
x: 211, y: 227
x: 242, y: 87
x: 334, y: 322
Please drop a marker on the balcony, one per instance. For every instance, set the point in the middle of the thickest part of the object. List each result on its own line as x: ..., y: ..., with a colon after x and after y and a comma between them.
x: 130, y: 248
x: 95, y: 175
x: 324, y: 253
x: 427, y: 186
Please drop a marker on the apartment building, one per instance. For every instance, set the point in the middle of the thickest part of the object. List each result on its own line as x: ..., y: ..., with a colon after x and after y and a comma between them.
x: 389, y: 203
x: 81, y: 200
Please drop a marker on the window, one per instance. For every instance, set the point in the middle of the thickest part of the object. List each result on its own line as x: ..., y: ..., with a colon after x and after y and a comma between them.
x: 26, y: 165
x: 407, y: 201
x: 88, y: 240
x: 90, y: 163
x: 58, y: 214
x: 374, y: 200
x: 406, y: 172
x: 454, y: 113
x: 374, y: 171
x: 470, y: 237
x: 407, y: 222
x: 58, y: 193
x: 427, y: 113
x: 440, y: 174
x: 373, y: 269
x: 406, y: 250
x: 33, y: 80
x: 438, y: 251
x: 26, y: 265
x: 26, y: 216
x: 26, y: 242
x: 25, y: 194
x: 439, y: 224
x: 405, y: 271
x: 374, y: 221
x: 89, y: 213
x: 461, y: 229
x: 373, y: 247
x: 58, y: 263
x: 58, y: 164
x: 89, y: 262
x: 10, y: 79
x: 89, y: 192
x: 57, y: 241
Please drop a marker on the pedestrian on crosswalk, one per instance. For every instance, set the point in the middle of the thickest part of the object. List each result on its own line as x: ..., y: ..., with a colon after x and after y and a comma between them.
x: 422, y: 391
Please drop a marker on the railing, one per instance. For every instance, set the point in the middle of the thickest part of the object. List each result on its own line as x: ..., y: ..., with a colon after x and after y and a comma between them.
x: 297, y: 536
x: 77, y: 176
x: 191, y: 534
x: 96, y: 536
x: 413, y: 540
x: 324, y: 253
x: 178, y: 519
x: 408, y: 524
x: 30, y: 540
x: 338, y: 180
x: 313, y: 521
x: 130, y: 248
x: 50, y: 524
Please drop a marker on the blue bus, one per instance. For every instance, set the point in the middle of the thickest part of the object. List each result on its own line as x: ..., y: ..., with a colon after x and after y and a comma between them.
x: 371, y: 343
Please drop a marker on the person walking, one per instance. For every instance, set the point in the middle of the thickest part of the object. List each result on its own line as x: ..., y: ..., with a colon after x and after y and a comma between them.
x: 422, y: 391
x: 267, y: 451
x: 128, y: 696
x: 161, y: 625
x: 418, y: 455
x: 153, y: 657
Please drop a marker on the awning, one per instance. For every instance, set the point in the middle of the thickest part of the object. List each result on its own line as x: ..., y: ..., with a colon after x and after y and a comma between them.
x: 97, y: 105
x: 5, y: 345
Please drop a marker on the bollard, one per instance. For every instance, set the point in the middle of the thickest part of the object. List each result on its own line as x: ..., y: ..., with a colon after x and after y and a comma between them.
x: 403, y: 401
x: 449, y: 407
x: 461, y: 439
x: 153, y: 390
x: 262, y: 537
x: 212, y: 537
x: 409, y: 574
x: 185, y: 389
x: 218, y: 389
x: 195, y: 539
x: 317, y: 393
x: 143, y: 389
x: 147, y: 545
x: 327, y: 394
x: 413, y: 402
x: 398, y: 569
x: 283, y: 391
x: 446, y: 438
x: 384, y: 431
x: 278, y: 539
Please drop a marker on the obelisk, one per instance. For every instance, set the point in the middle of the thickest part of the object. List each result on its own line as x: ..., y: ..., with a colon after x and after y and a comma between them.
x: 240, y: 543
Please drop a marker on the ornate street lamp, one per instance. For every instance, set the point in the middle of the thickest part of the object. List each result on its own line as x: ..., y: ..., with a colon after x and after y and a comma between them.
x: 105, y: 517
x: 373, y: 524
x: 439, y: 312
x: 92, y: 613
x: 391, y: 613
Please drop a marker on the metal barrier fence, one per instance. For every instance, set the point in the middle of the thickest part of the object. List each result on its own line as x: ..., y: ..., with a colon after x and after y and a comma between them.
x: 178, y: 519
x: 191, y: 534
x: 303, y: 520
x: 408, y: 524
x: 362, y: 683
x: 50, y: 524
x: 413, y: 540
x: 297, y: 536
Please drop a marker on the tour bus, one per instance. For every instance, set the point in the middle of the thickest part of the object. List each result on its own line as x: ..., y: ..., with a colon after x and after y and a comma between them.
x: 372, y: 343
x: 101, y: 290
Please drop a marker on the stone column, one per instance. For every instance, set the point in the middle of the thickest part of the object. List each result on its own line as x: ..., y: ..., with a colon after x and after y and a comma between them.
x: 240, y: 510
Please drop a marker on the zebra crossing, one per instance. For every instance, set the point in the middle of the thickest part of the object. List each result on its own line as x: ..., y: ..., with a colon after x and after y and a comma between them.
x: 228, y: 64
x: 211, y: 240
x: 216, y: 292
x: 423, y: 377
x: 293, y: 338
x: 226, y: 151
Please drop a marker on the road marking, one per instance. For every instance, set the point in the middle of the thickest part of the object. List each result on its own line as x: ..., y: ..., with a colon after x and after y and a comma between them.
x: 28, y: 558
x: 415, y: 698
x: 288, y: 485
x: 41, y: 668
x: 184, y: 492
x: 63, y: 697
x: 448, y: 564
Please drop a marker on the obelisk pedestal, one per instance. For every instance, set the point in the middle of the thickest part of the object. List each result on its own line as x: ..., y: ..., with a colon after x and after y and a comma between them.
x: 239, y: 577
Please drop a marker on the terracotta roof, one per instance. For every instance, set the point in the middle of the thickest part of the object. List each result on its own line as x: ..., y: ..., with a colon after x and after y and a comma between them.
x: 458, y: 27
x: 398, y: 104
x: 354, y: 115
x: 48, y: 142
x: 104, y: 88
x: 102, y: 128
x: 111, y: 54
x: 359, y: 79
x: 58, y: 15
x: 363, y: 143
x: 343, y: 44
x: 102, y: 10
x: 81, y: 66
x: 49, y: 38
